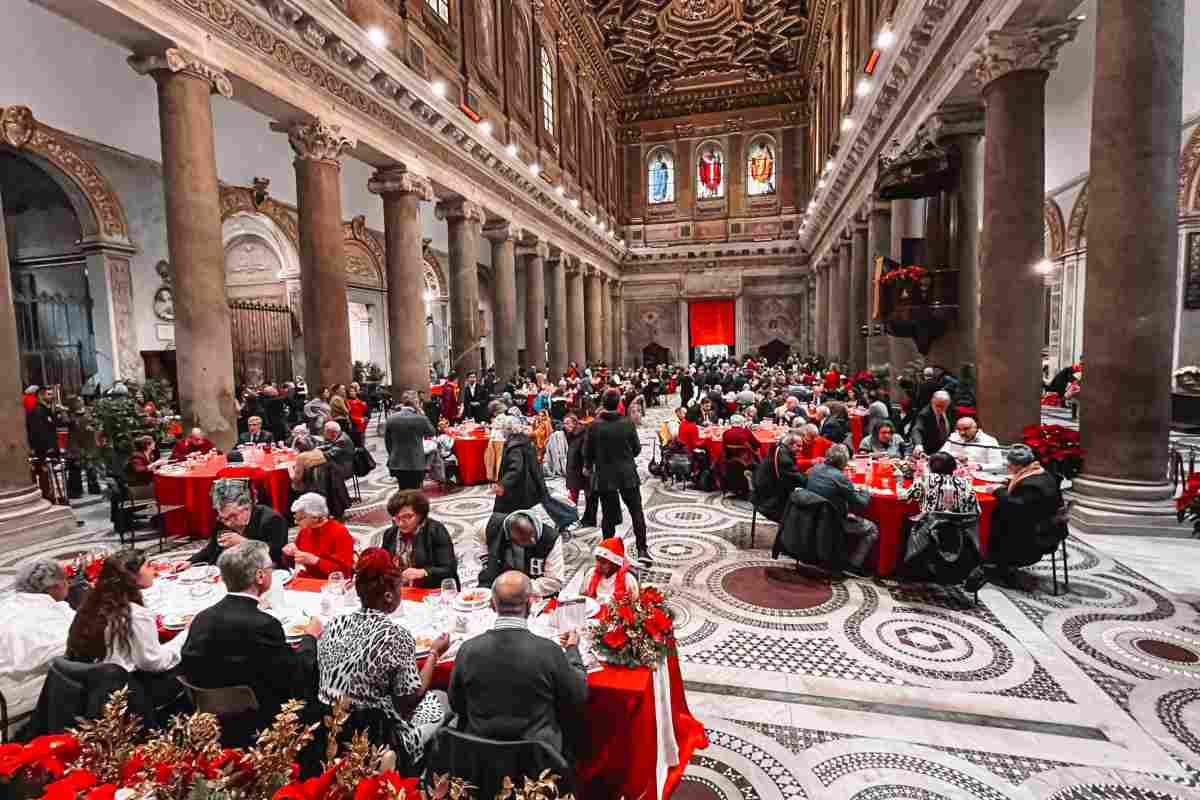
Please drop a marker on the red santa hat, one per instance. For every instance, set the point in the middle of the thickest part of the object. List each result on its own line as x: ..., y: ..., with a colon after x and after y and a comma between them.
x: 612, y: 550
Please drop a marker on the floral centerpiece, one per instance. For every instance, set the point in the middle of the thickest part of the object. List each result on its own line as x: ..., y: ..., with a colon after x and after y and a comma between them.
x: 1056, y: 447
x: 635, y: 630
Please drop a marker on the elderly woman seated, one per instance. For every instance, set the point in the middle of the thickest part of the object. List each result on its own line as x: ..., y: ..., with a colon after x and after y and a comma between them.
x: 883, y: 441
x: 323, y: 545
x: 36, y: 622
x: 1024, y: 518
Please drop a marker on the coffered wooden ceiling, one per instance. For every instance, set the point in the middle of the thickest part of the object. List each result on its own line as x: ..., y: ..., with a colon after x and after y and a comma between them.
x: 663, y: 52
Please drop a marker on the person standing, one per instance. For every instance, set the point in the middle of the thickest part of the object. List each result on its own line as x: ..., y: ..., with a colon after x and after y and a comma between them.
x: 474, y: 399
x: 404, y: 436
x: 608, y: 455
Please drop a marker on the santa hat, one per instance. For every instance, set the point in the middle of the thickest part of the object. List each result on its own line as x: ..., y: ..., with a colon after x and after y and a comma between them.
x: 32, y: 389
x: 612, y: 550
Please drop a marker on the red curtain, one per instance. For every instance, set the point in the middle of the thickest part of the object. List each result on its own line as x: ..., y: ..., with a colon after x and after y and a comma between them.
x: 711, y: 322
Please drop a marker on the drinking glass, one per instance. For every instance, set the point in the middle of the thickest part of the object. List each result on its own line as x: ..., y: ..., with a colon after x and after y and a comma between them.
x: 329, y: 599
x: 449, y: 592
x: 337, y: 587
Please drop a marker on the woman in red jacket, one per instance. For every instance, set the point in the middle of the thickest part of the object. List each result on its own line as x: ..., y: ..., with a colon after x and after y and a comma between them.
x: 689, y: 429
x: 323, y: 545
x: 358, y: 414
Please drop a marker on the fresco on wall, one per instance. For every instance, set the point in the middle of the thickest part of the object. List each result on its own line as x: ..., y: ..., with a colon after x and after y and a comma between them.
x: 710, y: 173
x: 760, y: 169
x: 660, y: 177
x: 775, y: 317
x: 652, y: 321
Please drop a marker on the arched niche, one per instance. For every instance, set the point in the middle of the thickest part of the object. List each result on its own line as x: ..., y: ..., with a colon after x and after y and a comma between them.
x: 1077, y: 229
x: 1055, y: 234
x: 257, y: 252
x: 364, y: 256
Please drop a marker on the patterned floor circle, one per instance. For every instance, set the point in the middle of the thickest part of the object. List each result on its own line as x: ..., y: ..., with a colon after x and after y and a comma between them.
x: 776, y: 587
x: 1158, y: 649
x: 688, y: 517
x: 696, y: 788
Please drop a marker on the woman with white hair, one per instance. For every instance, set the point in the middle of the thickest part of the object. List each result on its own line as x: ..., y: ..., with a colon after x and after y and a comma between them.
x: 1025, y: 508
x: 37, y: 619
x: 323, y: 545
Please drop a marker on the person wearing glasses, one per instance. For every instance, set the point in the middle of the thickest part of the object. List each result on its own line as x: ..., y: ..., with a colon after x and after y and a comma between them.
x: 422, y: 545
x: 239, y: 519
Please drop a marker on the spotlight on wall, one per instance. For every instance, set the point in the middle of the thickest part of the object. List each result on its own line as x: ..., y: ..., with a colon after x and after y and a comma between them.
x: 574, y: 202
x: 560, y: 191
x: 511, y: 149
x: 821, y: 183
x: 439, y: 88
x: 886, y: 37
x: 828, y: 164
x: 377, y: 37
x: 862, y: 87
x: 1044, y: 267
x: 428, y: 297
x: 534, y: 169
x: 486, y: 127
x: 847, y: 123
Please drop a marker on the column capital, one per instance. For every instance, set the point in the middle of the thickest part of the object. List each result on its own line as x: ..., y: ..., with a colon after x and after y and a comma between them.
x: 315, y: 140
x: 539, y: 249
x: 398, y: 180
x: 458, y: 208
x: 960, y: 119
x: 501, y: 230
x: 1036, y: 49
x: 174, y: 60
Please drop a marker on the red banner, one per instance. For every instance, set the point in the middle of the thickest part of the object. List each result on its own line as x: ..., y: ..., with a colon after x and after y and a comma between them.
x: 711, y: 322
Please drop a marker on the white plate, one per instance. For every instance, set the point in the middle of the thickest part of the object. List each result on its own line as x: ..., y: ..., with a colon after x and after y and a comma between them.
x: 280, y: 577
x: 461, y: 604
x: 176, y: 621
x: 200, y: 572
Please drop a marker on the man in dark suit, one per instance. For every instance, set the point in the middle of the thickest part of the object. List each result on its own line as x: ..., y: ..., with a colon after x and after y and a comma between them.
x: 254, y: 432
x: 339, y: 450
x: 934, y: 424
x: 240, y: 520
x: 404, y: 436
x: 608, y: 455
x: 474, y: 399
x: 422, y: 543
x: 511, y: 685
x: 235, y: 644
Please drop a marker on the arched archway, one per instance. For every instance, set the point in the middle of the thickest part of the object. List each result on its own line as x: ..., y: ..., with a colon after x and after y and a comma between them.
x: 1053, y: 217
x: 1189, y: 172
x: 1077, y: 230
x: 103, y: 242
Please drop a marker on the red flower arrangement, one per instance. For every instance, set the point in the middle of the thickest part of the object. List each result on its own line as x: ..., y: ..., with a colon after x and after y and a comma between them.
x: 1187, y: 505
x: 89, y: 569
x: 1056, y: 447
x: 905, y: 276
x: 635, y: 631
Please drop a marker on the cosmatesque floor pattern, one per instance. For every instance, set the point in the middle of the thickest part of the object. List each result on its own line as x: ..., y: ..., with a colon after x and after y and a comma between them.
x: 876, y: 691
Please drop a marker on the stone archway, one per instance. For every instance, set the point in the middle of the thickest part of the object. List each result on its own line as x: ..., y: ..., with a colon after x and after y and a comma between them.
x: 1077, y: 230
x: 104, y: 239
x: 1055, y: 233
x: 1189, y: 172
x: 365, y: 258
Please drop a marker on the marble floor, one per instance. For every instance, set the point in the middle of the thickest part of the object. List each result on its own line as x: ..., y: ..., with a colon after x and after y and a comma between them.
x: 877, y: 691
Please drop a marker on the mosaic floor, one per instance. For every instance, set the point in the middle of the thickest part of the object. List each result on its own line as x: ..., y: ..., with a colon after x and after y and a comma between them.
x: 884, y: 692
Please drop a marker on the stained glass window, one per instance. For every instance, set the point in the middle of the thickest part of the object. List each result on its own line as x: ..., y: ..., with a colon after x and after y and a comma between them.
x: 660, y: 177
x: 710, y: 172
x: 547, y: 92
x: 760, y: 168
x: 441, y: 8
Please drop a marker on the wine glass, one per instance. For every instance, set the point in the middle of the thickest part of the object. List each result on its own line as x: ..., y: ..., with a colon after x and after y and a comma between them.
x: 449, y: 592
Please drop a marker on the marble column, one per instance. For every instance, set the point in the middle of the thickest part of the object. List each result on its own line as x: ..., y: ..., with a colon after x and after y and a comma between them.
x: 857, y: 296
x: 968, y: 213
x: 535, y: 303
x: 1013, y: 67
x: 463, y: 220
x: 402, y: 193
x: 906, y: 223
x: 606, y: 326
x: 618, y: 327
x: 319, y: 147
x: 879, y: 243
x: 24, y: 513
x: 594, y: 313
x: 193, y: 216
x: 821, y: 342
x: 503, y: 236
x: 557, y: 308
x: 843, y: 302
x: 1132, y: 273
x: 576, y: 332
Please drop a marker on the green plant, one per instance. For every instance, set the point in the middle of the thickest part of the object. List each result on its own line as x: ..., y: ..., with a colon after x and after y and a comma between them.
x: 158, y: 391
x: 116, y: 423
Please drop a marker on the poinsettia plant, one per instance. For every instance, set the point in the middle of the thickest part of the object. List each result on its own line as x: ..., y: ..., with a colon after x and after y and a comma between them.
x: 1187, y: 505
x: 635, y: 630
x: 1056, y: 447
x: 905, y: 276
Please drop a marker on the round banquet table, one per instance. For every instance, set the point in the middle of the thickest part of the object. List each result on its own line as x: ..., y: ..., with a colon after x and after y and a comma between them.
x: 616, y: 736
x: 710, y: 438
x: 469, y: 449
x: 191, y: 485
x: 889, y: 512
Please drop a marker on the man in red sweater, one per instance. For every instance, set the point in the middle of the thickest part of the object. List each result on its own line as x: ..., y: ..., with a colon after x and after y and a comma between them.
x: 811, y: 448
x: 323, y: 545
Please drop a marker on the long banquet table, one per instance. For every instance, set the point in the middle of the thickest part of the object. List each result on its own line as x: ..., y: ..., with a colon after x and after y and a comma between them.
x: 621, y: 750
x: 710, y: 437
x: 189, y: 483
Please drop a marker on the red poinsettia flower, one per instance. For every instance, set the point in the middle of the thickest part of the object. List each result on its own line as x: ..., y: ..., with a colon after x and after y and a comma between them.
x: 92, y: 570
x: 651, y: 596
x: 373, y: 788
x: 105, y: 791
x: 49, y: 753
x: 605, y: 614
x: 70, y: 785
x: 615, y: 639
x: 626, y: 613
x: 311, y: 789
x: 657, y: 624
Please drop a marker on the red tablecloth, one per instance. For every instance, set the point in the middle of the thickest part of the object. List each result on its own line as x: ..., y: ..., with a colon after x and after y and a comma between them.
x: 618, y: 756
x: 889, y: 512
x: 469, y: 451
x: 710, y: 438
x: 856, y: 431
x: 191, y: 490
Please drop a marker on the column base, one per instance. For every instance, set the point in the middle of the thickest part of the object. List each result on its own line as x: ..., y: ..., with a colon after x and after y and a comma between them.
x: 24, y: 513
x: 1132, y: 508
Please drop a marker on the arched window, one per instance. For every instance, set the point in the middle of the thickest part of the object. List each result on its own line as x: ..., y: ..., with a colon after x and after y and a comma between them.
x: 660, y: 176
x: 547, y: 92
x: 441, y: 8
x: 710, y: 171
x: 760, y: 167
